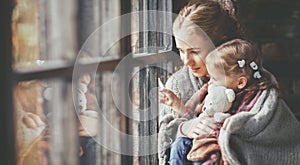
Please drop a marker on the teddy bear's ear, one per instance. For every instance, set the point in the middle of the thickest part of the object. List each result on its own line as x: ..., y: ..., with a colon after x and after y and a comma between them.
x: 230, y: 95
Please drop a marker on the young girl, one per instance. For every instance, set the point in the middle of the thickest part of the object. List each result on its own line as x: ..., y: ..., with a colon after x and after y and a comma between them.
x: 254, y: 134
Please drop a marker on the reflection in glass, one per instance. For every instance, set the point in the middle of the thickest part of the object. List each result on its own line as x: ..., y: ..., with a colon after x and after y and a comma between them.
x: 25, y: 38
x: 30, y: 121
x: 46, y: 124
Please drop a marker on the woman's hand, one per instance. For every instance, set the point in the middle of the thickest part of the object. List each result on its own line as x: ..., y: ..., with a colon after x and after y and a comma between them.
x: 201, y: 126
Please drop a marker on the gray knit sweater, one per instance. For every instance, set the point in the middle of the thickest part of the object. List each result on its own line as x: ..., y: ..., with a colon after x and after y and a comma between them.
x: 184, y: 84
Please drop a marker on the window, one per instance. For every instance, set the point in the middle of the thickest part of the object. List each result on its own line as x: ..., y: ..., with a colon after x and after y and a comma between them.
x: 93, y: 63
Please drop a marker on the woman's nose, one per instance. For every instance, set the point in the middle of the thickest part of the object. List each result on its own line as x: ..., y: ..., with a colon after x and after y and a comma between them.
x: 187, y: 59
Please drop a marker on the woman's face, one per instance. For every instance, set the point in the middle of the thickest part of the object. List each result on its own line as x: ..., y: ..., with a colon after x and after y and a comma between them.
x: 193, y: 49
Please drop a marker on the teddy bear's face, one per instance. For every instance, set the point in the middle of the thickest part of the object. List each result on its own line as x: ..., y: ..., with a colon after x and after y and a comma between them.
x: 218, y: 99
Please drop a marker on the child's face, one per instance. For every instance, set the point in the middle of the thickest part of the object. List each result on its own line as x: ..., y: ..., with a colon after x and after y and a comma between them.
x: 218, y: 77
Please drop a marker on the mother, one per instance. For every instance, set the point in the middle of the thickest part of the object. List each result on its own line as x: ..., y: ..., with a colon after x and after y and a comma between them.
x: 200, y: 26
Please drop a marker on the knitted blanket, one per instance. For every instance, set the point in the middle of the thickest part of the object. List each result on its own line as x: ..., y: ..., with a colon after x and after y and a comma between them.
x: 268, y: 134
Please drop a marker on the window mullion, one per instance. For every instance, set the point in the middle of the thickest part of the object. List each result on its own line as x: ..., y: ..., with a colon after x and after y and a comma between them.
x: 8, y: 153
x: 64, y: 70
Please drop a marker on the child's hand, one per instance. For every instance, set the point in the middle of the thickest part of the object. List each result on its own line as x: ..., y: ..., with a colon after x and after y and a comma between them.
x: 169, y: 98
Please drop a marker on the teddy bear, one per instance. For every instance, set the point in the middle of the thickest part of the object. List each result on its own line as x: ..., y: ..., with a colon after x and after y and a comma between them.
x: 217, y: 101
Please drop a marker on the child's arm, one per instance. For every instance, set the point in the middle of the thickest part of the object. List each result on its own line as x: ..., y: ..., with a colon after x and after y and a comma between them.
x: 167, y: 97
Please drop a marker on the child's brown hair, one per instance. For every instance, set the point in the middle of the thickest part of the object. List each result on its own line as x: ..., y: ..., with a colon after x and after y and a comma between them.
x: 242, y: 58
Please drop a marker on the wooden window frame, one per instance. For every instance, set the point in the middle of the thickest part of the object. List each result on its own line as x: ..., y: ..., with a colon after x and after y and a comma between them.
x: 10, y: 77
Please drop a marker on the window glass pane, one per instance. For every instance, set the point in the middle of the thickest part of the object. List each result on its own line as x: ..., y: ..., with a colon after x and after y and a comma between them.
x: 99, y: 29
x: 109, y: 135
x: 44, y: 32
x: 30, y: 121
x: 25, y: 26
x: 165, y: 25
x: 104, y: 117
x: 152, y: 26
x: 86, y: 90
x: 46, y: 129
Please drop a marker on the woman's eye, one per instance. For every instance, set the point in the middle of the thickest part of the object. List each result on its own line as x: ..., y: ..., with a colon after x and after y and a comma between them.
x: 194, y: 52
